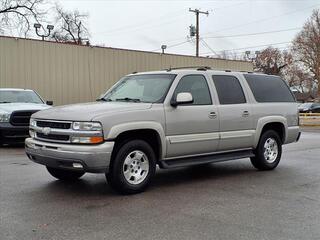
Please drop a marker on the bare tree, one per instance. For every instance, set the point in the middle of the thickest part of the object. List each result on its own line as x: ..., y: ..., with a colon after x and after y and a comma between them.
x: 272, y: 61
x: 71, y: 26
x: 306, y: 45
x: 297, y: 76
x: 20, y: 15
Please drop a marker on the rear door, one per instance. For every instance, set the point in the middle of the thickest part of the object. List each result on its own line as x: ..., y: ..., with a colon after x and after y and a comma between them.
x: 235, y: 115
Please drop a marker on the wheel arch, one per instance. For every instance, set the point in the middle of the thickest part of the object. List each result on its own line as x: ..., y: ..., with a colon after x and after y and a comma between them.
x: 151, y: 132
x: 278, y: 124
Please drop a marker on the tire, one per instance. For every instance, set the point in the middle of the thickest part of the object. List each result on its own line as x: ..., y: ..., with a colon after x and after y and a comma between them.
x: 65, y: 175
x: 132, y: 168
x: 268, y: 152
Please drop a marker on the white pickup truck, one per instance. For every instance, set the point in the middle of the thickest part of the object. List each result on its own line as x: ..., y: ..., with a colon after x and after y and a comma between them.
x: 16, y: 107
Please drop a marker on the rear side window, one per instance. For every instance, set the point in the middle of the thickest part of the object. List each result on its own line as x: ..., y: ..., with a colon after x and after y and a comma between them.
x: 229, y: 89
x: 269, y: 88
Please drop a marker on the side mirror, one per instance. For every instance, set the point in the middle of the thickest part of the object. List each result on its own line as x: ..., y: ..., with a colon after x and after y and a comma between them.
x: 182, y: 98
x: 50, y: 103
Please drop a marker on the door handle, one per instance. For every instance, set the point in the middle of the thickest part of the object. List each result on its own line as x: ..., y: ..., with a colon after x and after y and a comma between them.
x: 245, y: 114
x: 212, y: 115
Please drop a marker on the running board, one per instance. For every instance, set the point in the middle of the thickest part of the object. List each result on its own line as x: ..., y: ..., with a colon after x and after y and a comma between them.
x: 219, y: 157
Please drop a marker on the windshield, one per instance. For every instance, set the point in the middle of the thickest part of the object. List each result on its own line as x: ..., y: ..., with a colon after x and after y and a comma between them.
x: 306, y: 105
x: 150, y: 88
x: 16, y: 96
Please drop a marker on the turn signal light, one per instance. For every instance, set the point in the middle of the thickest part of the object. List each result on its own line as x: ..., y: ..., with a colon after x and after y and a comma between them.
x: 96, y: 139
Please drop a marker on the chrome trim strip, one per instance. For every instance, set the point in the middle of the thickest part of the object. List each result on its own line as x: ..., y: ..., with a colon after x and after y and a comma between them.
x: 48, y: 120
x: 193, y: 138
x: 69, y: 132
x: 236, y: 134
x: 209, y: 136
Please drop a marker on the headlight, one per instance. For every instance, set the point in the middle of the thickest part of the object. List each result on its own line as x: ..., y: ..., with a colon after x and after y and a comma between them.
x: 4, y: 117
x: 33, y: 123
x: 87, y: 126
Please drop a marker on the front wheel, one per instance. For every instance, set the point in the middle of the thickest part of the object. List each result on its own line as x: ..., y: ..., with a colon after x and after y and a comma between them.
x: 65, y: 175
x: 268, y: 152
x: 132, y: 168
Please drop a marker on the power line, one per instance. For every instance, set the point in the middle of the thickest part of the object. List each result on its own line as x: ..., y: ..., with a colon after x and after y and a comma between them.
x: 146, y: 22
x: 264, y: 19
x: 171, y: 46
x: 254, y: 34
x: 256, y: 21
x: 244, y: 48
x: 207, y: 46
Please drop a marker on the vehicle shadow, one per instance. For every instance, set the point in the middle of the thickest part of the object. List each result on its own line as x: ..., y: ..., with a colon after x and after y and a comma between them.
x: 96, y: 185
x: 12, y: 146
x: 202, y: 173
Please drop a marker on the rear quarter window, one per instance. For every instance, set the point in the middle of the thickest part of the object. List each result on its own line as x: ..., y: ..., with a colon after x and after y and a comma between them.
x: 229, y: 89
x: 269, y: 88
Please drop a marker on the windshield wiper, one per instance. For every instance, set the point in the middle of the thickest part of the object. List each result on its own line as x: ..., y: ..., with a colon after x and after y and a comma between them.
x: 129, y: 99
x: 5, y: 102
x: 104, y: 100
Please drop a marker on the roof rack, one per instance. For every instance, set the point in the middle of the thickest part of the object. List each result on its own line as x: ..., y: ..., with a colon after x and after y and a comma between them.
x: 199, y: 68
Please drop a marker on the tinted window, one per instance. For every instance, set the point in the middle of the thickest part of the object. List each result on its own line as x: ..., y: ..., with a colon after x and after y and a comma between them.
x: 197, y: 86
x: 229, y: 89
x: 269, y: 88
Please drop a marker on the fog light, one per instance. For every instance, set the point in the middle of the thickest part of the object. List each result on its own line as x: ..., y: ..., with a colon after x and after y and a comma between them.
x: 77, y: 165
x: 32, y: 133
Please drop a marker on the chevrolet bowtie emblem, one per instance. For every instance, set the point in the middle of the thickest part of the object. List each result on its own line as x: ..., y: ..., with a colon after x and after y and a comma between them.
x: 46, y: 130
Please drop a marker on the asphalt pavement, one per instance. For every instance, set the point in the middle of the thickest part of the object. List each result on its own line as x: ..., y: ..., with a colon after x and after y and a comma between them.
x: 229, y: 200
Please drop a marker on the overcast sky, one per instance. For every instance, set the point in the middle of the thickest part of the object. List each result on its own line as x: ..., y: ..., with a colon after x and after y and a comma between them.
x: 146, y: 25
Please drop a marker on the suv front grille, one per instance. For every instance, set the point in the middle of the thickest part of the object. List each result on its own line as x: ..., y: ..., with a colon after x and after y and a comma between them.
x: 63, y: 127
x: 58, y: 125
x: 53, y: 137
x: 21, y: 118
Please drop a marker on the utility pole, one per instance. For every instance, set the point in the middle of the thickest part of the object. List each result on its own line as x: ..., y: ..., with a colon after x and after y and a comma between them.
x: 197, y: 12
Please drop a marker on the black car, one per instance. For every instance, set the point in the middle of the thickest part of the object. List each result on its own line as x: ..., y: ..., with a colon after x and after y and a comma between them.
x: 309, y: 108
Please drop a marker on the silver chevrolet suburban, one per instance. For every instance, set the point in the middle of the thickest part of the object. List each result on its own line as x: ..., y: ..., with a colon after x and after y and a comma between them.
x: 170, y: 118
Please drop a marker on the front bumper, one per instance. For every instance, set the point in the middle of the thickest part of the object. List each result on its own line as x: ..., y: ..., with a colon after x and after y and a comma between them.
x: 93, y: 158
x: 13, y: 134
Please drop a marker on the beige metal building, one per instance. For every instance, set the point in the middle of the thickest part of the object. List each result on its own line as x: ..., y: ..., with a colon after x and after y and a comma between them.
x: 68, y: 73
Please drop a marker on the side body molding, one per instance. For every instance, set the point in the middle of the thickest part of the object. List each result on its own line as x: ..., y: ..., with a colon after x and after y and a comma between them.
x: 269, y: 119
x: 116, y: 130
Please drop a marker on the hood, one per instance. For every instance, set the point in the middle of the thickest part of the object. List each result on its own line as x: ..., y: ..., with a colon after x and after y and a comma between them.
x: 10, y: 107
x: 88, y: 111
x: 303, y: 107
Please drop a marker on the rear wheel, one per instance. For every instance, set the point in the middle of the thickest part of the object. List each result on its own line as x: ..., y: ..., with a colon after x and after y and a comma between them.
x: 132, y: 168
x: 65, y: 175
x: 268, y: 152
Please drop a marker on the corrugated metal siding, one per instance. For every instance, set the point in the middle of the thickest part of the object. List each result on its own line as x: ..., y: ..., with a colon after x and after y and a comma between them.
x: 69, y: 73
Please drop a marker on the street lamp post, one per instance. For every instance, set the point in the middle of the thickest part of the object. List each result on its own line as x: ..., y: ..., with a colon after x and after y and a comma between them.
x: 163, y: 47
x: 37, y: 26
x: 252, y: 58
